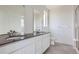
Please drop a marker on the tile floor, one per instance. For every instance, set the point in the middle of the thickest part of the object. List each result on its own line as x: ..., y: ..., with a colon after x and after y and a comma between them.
x: 59, y: 48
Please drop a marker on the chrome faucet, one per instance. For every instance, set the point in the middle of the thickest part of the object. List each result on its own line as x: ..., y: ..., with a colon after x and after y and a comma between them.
x: 11, y: 33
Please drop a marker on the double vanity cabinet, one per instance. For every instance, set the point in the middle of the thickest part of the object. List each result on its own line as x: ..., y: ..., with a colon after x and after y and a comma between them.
x: 32, y: 45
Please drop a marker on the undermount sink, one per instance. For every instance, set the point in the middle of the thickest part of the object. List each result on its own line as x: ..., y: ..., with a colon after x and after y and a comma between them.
x: 10, y: 39
x: 15, y: 38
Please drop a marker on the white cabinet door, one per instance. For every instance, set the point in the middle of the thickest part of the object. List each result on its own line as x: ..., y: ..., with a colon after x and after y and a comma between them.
x: 38, y: 45
x: 48, y: 40
x: 45, y: 42
x: 27, y: 49
x: 42, y: 42
x: 15, y: 46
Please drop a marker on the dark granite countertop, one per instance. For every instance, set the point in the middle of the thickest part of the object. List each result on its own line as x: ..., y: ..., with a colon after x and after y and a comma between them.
x: 21, y: 37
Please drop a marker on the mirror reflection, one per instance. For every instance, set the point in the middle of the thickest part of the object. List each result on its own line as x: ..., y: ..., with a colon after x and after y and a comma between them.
x: 38, y: 18
x: 40, y: 21
x: 11, y: 19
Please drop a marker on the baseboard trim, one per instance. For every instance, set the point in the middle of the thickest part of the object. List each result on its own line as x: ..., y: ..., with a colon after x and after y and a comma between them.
x: 76, y: 50
x: 63, y: 43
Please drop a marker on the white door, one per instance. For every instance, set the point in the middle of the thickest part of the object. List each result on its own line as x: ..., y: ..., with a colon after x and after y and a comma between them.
x: 77, y: 23
x: 77, y: 27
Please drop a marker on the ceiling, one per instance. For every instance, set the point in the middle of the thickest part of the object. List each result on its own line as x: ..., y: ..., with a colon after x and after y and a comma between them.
x: 53, y: 6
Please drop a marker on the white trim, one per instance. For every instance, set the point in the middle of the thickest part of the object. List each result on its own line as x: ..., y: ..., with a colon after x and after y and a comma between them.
x: 74, y: 45
x: 76, y: 50
x: 63, y: 43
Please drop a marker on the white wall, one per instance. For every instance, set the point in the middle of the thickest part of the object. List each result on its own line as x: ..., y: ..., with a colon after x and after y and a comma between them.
x: 62, y: 24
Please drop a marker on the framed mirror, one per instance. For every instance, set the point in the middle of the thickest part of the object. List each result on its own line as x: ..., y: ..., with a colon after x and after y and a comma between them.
x: 11, y: 18
x: 40, y: 20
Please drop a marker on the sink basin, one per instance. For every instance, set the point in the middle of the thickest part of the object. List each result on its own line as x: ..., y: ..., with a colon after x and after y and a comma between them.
x: 15, y: 38
x: 11, y: 39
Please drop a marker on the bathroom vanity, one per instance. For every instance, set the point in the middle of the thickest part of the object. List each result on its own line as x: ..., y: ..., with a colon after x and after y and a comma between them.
x: 24, y: 20
x: 34, y: 44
